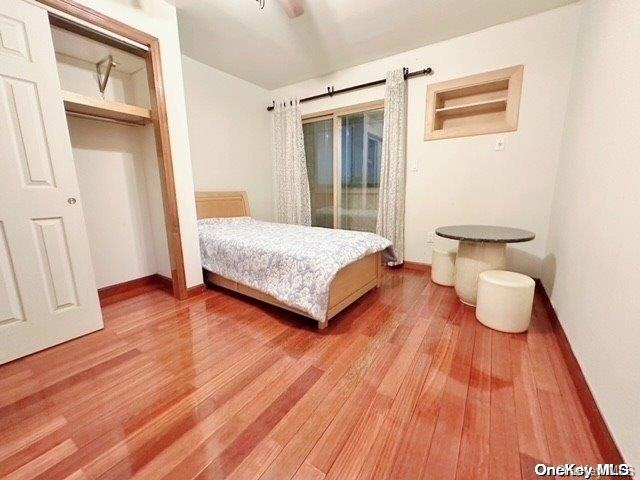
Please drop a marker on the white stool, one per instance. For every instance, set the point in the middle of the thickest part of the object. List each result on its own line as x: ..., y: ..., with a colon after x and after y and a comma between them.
x: 443, y: 267
x: 505, y: 300
x: 472, y: 259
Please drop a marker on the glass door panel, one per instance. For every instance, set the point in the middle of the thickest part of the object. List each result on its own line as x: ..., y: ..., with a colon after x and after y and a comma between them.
x: 360, y: 155
x: 318, y: 146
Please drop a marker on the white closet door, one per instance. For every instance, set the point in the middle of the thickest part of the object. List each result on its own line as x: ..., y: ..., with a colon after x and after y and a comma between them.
x: 47, y: 288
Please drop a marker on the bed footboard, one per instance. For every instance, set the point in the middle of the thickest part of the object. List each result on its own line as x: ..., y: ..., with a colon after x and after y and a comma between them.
x: 350, y: 283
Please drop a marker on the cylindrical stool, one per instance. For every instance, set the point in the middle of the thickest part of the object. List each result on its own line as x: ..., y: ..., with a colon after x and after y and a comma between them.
x: 443, y: 268
x: 505, y: 300
x: 472, y: 259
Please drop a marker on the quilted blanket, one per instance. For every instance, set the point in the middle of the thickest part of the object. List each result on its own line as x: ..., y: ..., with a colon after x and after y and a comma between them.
x: 292, y: 263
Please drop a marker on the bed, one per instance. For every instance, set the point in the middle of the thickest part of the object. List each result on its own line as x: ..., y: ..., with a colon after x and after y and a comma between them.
x: 228, y: 213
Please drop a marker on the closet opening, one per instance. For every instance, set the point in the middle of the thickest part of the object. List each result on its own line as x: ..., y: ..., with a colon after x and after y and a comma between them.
x: 112, y: 92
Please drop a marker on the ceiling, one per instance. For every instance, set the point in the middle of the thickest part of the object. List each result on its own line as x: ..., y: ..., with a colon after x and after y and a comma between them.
x: 269, y: 49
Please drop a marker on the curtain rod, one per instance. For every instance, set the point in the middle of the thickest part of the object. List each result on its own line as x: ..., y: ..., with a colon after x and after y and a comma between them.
x: 331, y: 91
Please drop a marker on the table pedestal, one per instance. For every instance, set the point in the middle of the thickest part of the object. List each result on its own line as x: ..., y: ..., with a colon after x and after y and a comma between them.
x: 474, y: 258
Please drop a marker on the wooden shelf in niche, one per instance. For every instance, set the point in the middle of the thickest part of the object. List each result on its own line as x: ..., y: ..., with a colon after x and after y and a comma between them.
x: 76, y: 104
x: 479, y: 104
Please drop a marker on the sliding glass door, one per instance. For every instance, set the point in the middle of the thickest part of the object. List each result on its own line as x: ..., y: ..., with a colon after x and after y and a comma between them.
x: 318, y: 147
x: 361, y: 147
x: 343, y: 152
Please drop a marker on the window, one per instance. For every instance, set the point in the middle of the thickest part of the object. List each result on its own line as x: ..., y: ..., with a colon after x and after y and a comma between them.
x: 343, y: 150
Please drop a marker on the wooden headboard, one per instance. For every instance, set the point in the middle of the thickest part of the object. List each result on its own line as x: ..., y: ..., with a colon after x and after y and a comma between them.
x: 222, y: 204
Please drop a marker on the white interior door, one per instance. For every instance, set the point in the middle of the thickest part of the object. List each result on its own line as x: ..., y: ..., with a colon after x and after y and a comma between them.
x: 47, y: 288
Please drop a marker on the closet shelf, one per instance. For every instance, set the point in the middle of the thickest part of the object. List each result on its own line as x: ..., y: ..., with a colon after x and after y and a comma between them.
x: 474, y: 108
x: 84, y: 106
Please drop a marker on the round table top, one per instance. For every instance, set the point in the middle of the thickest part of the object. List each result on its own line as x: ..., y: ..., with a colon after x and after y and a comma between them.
x: 485, y: 233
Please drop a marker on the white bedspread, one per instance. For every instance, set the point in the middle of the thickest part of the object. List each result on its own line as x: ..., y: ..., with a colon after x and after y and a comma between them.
x: 294, y: 264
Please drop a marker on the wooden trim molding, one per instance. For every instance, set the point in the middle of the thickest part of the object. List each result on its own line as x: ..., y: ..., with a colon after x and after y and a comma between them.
x: 92, y: 33
x: 86, y: 14
x: 166, y: 282
x: 335, y: 112
x: 133, y: 288
x: 160, y: 125
x: 597, y: 424
x: 418, y: 266
x: 165, y: 164
x: 196, y: 290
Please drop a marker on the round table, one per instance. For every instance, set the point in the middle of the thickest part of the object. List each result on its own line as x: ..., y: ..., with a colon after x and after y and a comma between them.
x: 481, y: 247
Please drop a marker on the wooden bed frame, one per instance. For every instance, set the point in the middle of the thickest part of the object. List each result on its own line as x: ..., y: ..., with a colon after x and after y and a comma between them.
x: 350, y: 283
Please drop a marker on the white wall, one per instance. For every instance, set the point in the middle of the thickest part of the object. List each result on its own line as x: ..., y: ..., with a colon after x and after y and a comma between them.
x: 229, y: 134
x: 110, y: 166
x: 79, y: 76
x: 464, y: 180
x: 158, y: 18
x: 592, y: 269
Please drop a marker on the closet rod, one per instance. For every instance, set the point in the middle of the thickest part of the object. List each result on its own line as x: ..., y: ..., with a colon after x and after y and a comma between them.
x: 331, y: 91
x: 104, y: 119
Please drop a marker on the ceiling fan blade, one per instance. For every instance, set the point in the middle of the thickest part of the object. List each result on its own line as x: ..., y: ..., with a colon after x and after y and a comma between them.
x: 293, y: 8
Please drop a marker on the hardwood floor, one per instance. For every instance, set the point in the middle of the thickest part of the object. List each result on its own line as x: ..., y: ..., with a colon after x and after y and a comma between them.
x: 403, y: 384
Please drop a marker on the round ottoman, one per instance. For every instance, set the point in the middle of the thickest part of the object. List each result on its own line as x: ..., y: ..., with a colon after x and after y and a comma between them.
x: 443, y: 267
x: 505, y: 300
x: 472, y: 259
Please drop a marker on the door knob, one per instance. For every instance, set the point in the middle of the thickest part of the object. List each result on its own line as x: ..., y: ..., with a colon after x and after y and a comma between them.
x: 71, y: 201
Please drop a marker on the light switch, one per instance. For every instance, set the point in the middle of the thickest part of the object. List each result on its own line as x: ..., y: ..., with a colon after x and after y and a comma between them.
x: 499, y: 144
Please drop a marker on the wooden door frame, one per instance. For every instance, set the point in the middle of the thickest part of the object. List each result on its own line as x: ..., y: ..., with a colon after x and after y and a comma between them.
x: 158, y: 116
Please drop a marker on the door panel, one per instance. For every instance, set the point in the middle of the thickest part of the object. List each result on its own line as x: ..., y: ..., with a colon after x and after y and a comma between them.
x: 360, y: 170
x: 47, y: 288
x: 53, y: 253
x: 10, y: 303
x: 19, y: 105
x: 343, y: 164
x: 318, y: 145
x: 13, y: 38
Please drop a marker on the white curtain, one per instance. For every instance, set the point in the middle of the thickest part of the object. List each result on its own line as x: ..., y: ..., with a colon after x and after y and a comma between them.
x: 390, y: 223
x: 291, y: 183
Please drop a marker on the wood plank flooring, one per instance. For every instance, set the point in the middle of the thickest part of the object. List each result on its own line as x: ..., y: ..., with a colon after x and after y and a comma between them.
x: 403, y: 384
